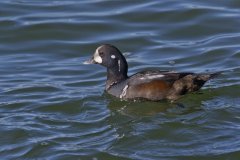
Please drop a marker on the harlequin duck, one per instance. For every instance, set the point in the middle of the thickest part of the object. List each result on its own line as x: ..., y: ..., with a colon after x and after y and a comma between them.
x: 152, y: 85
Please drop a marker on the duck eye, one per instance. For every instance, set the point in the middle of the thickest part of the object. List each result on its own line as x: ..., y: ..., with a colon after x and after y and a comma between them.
x: 100, y: 53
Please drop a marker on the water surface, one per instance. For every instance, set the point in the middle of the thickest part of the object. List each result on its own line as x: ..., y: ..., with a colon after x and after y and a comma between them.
x: 53, y: 107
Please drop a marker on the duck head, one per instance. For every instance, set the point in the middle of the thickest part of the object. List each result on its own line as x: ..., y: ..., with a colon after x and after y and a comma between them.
x: 110, y: 57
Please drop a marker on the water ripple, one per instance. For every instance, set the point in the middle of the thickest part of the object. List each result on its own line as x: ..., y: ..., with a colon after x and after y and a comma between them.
x: 53, y: 107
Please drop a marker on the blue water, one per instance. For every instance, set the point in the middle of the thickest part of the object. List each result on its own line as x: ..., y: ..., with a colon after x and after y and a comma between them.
x: 53, y: 107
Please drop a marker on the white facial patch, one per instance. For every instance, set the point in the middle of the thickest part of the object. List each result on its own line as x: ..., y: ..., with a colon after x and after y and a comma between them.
x: 97, y: 58
x: 113, y: 56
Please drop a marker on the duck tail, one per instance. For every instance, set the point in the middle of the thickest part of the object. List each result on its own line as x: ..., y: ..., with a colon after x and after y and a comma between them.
x: 205, y: 76
x: 213, y: 75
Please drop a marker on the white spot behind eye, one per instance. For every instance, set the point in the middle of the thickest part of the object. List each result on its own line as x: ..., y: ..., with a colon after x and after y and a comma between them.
x: 113, y: 56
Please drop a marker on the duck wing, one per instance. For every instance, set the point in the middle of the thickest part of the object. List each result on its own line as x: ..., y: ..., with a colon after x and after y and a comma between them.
x: 157, y: 85
x: 154, y: 75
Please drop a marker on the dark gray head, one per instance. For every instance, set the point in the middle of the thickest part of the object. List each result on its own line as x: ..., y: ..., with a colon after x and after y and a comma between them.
x: 109, y: 56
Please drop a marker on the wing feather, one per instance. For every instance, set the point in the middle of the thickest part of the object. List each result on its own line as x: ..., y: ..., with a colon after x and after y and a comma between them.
x: 153, y: 75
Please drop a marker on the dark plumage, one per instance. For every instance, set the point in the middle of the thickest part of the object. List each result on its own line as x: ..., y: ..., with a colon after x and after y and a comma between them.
x: 151, y: 85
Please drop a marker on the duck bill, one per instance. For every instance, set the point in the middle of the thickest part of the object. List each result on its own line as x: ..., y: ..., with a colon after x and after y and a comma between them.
x: 90, y: 61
